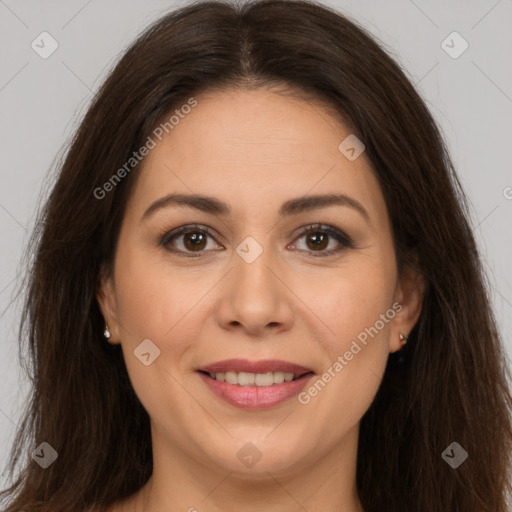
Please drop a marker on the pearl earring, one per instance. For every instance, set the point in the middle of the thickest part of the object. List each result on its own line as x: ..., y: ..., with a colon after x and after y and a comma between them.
x: 106, y: 332
x: 403, y: 340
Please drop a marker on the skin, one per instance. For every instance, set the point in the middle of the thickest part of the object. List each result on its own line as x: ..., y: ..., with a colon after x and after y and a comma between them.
x: 255, y: 149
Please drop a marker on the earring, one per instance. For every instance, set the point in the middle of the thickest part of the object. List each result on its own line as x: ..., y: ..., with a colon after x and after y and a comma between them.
x: 106, y: 332
x: 403, y: 340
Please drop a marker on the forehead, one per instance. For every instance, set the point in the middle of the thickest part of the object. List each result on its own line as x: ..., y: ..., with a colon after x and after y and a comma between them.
x: 255, y: 147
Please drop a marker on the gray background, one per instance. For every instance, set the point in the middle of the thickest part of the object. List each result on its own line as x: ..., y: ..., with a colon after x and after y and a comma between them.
x: 42, y: 100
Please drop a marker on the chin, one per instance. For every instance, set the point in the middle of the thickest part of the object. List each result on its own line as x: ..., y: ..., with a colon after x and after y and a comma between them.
x: 254, y: 456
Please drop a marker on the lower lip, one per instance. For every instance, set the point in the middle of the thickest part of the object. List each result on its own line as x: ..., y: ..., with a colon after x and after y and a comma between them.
x: 255, y: 397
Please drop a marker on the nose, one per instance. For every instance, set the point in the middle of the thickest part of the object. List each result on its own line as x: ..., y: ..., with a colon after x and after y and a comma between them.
x: 255, y: 297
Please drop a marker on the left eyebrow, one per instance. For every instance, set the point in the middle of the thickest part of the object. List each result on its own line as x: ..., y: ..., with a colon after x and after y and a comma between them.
x: 294, y: 206
x: 308, y: 203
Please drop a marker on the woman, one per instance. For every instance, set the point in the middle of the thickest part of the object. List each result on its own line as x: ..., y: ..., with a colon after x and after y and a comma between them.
x: 255, y: 287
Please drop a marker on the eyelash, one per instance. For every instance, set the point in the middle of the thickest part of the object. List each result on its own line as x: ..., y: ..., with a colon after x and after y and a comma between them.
x: 344, y: 240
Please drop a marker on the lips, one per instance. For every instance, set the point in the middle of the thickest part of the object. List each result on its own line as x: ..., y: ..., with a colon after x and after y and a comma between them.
x: 247, y: 384
x: 263, y: 366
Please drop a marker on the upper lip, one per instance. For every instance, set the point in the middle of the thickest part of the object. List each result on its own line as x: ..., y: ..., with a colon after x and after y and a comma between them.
x: 262, y: 366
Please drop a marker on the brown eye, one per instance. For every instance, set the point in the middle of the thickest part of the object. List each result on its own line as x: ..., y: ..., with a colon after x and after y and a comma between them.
x: 194, y: 241
x: 318, y: 238
x: 317, y: 241
x: 189, y: 239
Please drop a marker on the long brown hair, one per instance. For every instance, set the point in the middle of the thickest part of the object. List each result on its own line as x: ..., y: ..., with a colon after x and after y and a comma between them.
x: 453, y: 385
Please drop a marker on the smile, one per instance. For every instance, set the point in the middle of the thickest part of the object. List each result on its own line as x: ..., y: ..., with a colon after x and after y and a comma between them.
x: 270, y: 382
x: 254, y: 379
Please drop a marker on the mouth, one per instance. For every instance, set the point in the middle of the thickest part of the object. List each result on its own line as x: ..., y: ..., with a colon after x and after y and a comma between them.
x: 264, y: 373
x: 247, y: 379
x: 255, y: 384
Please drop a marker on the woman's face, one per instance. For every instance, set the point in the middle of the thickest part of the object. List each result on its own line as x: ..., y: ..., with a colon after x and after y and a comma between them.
x: 256, y: 289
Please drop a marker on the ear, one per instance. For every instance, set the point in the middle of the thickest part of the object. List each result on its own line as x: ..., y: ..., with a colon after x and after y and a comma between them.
x: 409, y: 293
x: 105, y: 296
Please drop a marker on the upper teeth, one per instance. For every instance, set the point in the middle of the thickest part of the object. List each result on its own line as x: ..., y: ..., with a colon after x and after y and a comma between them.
x: 253, y: 379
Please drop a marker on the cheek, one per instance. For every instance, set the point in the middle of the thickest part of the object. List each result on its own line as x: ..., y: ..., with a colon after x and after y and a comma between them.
x: 357, y: 308
x: 353, y: 298
x: 159, y: 302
